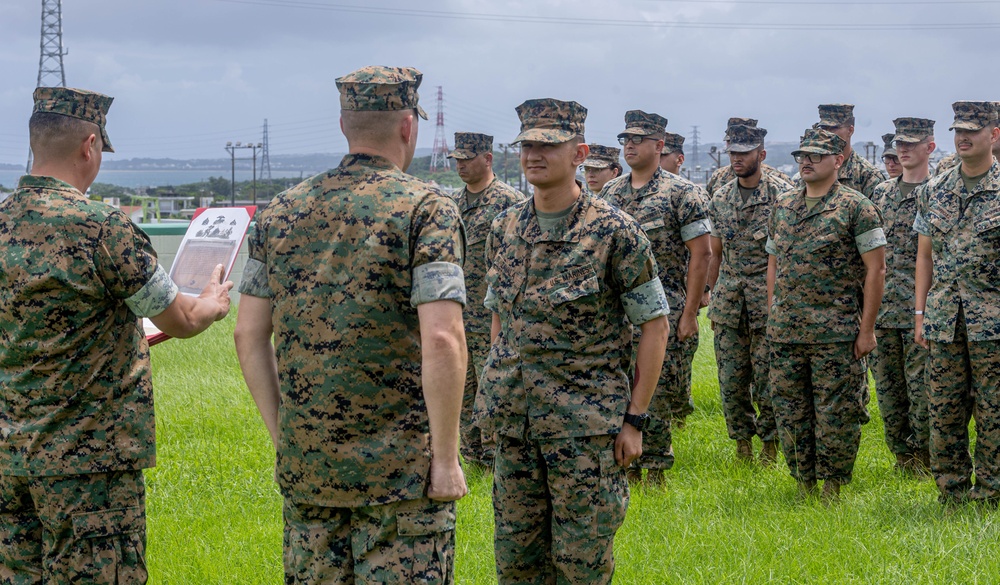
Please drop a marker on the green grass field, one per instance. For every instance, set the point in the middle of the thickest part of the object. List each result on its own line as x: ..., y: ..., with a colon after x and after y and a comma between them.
x: 215, y: 513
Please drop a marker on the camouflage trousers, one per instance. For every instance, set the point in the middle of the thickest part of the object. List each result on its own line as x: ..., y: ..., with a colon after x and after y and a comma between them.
x: 819, y: 406
x: 672, y: 399
x: 900, y: 366
x: 412, y: 541
x: 475, y: 447
x: 964, y: 382
x: 88, y: 528
x: 557, y: 505
x: 743, y: 358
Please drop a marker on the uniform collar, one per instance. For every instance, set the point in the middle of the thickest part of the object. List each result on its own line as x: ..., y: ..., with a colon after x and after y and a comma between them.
x: 569, y: 229
x: 43, y: 182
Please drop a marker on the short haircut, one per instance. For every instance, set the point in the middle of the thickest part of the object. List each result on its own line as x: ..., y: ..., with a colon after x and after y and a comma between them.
x: 373, y: 127
x: 56, y: 135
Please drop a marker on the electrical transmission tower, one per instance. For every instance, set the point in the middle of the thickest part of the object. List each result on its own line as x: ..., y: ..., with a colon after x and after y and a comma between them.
x: 265, y: 159
x: 50, y: 61
x: 694, y: 147
x: 439, y: 154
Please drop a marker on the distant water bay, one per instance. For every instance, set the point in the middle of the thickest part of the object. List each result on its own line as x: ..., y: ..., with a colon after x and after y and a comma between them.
x: 159, y: 178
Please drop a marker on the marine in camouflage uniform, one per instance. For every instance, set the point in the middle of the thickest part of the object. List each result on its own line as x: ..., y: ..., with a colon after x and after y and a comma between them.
x: 673, y: 213
x: 950, y: 161
x: 602, y: 165
x: 565, y: 282
x: 889, y: 156
x: 672, y: 154
x: 357, y: 273
x: 724, y: 175
x: 826, y: 271
x: 899, y: 364
x: 856, y: 173
x: 474, y: 158
x: 76, y: 398
x: 957, y: 300
x: 738, y: 278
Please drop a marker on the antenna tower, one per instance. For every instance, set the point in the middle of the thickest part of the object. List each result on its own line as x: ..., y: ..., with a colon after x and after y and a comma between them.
x: 694, y: 147
x: 439, y: 154
x: 265, y: 159
x: 50, y: 60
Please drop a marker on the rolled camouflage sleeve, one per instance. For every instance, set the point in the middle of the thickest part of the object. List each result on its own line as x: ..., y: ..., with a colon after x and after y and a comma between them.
x: 645, y: 302
x: 692, y: 209
x: 254, y: 281
x: 868, y: 233
x: 633, y: 263
x: 920, y: 224
x: 438, y: 244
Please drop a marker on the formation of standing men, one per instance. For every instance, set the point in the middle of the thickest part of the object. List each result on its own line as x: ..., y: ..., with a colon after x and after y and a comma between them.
x: 383, y: 324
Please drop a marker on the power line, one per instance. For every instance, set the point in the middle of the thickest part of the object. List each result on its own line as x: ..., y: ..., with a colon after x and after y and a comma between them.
x: 603, y: 22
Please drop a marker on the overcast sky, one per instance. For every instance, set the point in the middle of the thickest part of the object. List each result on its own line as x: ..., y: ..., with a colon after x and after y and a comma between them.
x: 190, y: 75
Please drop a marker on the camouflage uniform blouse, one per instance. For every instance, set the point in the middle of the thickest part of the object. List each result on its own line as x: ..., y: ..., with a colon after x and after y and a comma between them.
x: 345, y: 258
x: 671, y: 212
x: 742, y: 227
x: 75, y: 390
x: 898, y: 213
x: 723, y: 175
x: 819, y: 286
x: 565, y: 298
x: 965, y: 237
x: 478, y: 217
x: 860, y: 175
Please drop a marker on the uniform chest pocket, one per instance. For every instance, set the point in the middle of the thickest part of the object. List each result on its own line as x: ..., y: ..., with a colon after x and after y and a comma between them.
x: 820, y: 242
x: 989, y: 227
x: 573, y: 284
x: 758, y: 230
x: 505, y: 282
x: 652, y: 224
x: 475, y: 234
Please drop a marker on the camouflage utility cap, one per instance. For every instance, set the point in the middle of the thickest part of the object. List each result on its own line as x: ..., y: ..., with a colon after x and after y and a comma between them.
x: 913, y: 130
x: 888, y: 149
x: 601, y: 157
x: 381, y: 89
x: 745, y: 138
x: 470, y: 145
x: 836, y: 115
x: 550, y: 121
x: 739, y: 122
x: 639, y: 123
x: 672, y: 143
x: 974, y: 115
x: 85, y: 105
x: 819, y: 141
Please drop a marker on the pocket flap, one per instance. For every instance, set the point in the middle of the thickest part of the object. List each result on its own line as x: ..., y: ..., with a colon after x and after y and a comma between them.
x: 989, y: 223
x: 104, y: 523
x: 652, y: 224
x: 418, y: 523
x: 572, y: 285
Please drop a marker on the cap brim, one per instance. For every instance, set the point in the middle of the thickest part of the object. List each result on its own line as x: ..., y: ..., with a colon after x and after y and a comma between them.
x: 963, y: 125
x: 741, y: 147
x: 635, y: 132
x: 889, y: 152
x: 545, y: 135
x: 668, y: 150
x: 462, y: 154
x: 909, y: 139
x: 596, y: 163
x: 106, y: 140
x: 812, y: 150
x: 421, y: 112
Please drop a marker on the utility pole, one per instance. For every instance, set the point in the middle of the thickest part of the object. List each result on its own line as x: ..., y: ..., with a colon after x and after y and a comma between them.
x: 870, y: 151
x: 51, y: 72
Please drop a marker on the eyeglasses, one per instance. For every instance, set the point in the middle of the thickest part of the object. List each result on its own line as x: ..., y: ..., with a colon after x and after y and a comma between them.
x: 890, y: 159
x: 812, y: 157
x: 635, y: 139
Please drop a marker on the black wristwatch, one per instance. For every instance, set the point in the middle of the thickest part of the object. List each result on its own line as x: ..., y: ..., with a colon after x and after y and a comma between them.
x: 639, y: 421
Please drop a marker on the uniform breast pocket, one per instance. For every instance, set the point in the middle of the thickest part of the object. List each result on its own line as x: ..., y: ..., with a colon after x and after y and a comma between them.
x: 652, y: 224
x: 573, y: 284
x: 505, y: 282
x: 989, y: 227
x: 820, y: 242
x: 758, y: 231
x: 476, y: 233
